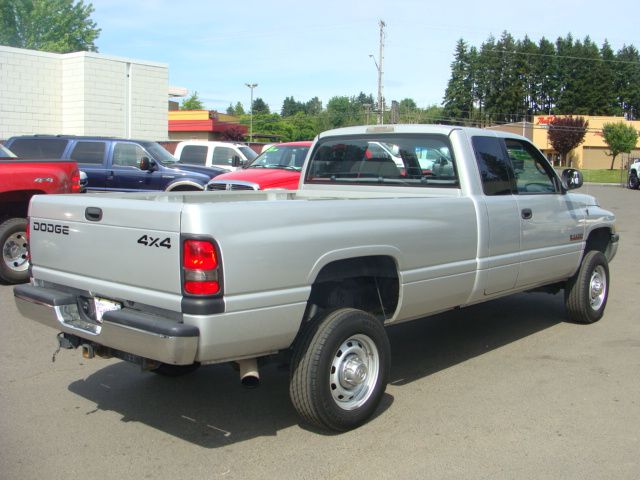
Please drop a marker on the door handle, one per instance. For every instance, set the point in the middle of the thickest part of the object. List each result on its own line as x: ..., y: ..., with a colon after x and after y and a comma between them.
x: 527, y: 214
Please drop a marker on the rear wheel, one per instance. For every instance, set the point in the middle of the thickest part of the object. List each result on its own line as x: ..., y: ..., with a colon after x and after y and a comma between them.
x: 633, y: 182
x: 586, y: 293
x: 14, y: 267
x: 340, y: 369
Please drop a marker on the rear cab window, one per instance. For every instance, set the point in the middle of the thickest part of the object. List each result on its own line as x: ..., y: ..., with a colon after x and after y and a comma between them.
x: 406, y: 160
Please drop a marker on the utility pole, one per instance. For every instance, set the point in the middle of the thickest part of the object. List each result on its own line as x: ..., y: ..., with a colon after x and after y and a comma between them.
x: 251, y: 86
x: 380, y: 71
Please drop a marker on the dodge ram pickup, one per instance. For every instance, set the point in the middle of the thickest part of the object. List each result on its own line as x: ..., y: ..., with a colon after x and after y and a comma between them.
x: 313, y: 276
x: 19, y: 181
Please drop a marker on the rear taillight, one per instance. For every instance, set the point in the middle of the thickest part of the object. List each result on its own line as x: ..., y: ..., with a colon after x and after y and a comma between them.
x: 75, y: 181
x: 200, y: 268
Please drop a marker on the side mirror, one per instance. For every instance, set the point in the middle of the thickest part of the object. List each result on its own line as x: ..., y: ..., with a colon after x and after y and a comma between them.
x: 146, y: 164
x: 235, y: 161
x: 572, y: 178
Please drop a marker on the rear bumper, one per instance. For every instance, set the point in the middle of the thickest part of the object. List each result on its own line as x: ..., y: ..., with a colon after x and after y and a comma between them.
x: 127, y: 330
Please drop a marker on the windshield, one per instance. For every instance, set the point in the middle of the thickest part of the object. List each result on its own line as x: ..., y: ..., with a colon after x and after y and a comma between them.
x: 5, y: 153
x: 413, y: 160
x: 248, y: 152
x: 159, y: 153
x: 288, y: 157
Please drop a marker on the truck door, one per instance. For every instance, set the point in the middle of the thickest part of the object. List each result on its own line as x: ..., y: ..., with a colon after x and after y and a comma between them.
x: 91, y: 159
x: 125, y: 174
x: 499, y: 256
x: 552, y: 227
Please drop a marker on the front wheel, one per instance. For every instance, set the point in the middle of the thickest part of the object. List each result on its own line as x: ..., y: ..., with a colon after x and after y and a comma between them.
x: 586, y: 293
x: 14, y: 267
x: 633, y: 182
x: 340, y: 370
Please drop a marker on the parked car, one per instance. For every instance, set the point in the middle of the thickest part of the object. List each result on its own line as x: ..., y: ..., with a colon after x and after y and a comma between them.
x: 228, y: 156
x: 117, y: 164
x: 20, y: 180
x: 277, y: 167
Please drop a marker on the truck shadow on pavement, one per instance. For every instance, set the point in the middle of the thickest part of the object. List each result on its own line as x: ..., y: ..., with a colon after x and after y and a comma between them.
x: 211, y: 409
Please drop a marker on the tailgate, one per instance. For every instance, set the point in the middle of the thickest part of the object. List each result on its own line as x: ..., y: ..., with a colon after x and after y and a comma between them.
x: 119, y: 246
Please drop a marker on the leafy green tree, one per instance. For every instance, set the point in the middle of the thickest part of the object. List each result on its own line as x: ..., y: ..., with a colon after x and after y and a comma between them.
x: 342, y: 111
x: 313, y: 106
x: 60, y: 26
x: 303, y: 126
x: 566, y: 133
x: 260, y: 107
x: 620, y: 137
x: 545, y: 69
x: 291, y: 107
x: 192, y: 103
x: 605, y: 98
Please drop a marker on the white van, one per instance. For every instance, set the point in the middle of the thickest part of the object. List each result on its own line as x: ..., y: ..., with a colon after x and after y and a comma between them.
x: 229, y: 156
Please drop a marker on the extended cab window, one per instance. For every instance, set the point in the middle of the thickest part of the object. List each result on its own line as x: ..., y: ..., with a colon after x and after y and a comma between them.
x: 533, y: 172
x: 39, y: 147
x: 88, y: 152
x: 495, y: 172
x: 412, y: 160
x: 194, y: 154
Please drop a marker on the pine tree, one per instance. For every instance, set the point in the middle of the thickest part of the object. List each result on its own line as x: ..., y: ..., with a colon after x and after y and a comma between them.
x: 458, y: 97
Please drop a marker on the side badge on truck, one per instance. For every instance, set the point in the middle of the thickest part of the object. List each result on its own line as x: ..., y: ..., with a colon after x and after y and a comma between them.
x: 154, y: 242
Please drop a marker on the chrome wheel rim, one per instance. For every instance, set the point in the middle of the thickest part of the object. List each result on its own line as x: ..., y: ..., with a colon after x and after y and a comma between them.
x: 354, y: 371
x: 14, y: 252
x: 598, y: 287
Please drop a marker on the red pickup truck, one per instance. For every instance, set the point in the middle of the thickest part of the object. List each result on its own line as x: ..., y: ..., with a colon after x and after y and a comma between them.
x: 19, y: 181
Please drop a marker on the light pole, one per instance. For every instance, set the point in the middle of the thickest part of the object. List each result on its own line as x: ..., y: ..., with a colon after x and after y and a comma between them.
x: 251, y: 86
x: 379, y: 68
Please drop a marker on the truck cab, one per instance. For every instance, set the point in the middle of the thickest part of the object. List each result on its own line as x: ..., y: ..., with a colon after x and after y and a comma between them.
x: 228, y: 156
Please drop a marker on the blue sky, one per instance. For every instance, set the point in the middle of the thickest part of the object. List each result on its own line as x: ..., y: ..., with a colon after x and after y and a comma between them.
x: 306, y: 49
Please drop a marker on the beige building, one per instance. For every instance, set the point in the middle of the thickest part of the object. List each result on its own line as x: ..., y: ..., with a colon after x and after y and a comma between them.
x: 81, y: 93
x: 591, y: 154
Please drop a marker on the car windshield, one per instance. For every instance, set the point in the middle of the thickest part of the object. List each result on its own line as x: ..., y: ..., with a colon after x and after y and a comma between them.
x: 5, y: 152
x: 159, y: 153
x: 414, y: 160
x: 288, y: 157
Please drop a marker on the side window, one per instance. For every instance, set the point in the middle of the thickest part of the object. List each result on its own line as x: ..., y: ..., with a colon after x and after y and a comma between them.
x: 495, y: 172
x: 194, y: 154
x: 39, y: 147
x: 533, y: 172
x: 223, y: 156
x: 88, y: 152
x: 127, y: 154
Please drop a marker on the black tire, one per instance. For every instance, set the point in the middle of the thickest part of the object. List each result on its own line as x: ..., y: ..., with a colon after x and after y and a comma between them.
x: 586, y: 293
x: 14, y: 264
x: 340, y: 369
x: 167, y: 370
x: 633, y: 183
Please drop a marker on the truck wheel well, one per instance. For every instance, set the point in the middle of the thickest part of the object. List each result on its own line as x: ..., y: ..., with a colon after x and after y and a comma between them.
x: 368, y: 283
x: 598, y: 240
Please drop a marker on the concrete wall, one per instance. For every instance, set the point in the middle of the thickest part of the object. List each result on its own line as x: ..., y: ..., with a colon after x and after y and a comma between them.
x: 81, y: 93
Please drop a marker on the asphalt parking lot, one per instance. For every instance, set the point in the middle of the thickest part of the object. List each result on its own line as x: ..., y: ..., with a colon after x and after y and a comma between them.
x: 502, y: 390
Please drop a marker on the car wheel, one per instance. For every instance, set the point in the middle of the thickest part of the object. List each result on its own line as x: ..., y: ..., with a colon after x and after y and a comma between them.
x: 633, y: 182
x: 340, y: 369
x: 586, y: 293
x: 167, y: 370
x: 14, y: 267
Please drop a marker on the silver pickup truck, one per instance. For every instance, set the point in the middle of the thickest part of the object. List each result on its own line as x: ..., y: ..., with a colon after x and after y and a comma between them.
x: 441, y: 217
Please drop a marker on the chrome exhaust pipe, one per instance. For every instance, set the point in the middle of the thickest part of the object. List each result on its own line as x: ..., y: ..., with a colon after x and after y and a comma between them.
x: 249, y: 375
